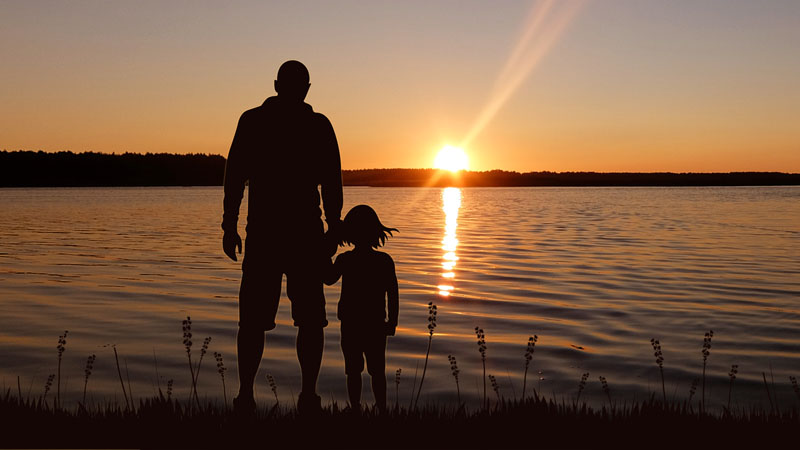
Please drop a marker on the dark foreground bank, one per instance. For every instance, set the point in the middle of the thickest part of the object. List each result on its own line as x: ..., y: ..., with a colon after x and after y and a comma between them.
x: 535, y: 423
x: 68, y: 169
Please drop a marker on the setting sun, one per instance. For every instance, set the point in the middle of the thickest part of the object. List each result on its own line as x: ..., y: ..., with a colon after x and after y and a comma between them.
x: 451, y: 158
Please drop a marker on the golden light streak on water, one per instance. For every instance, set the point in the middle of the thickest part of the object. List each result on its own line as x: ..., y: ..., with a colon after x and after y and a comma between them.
x: 451, y: 203
x: 545, y: 24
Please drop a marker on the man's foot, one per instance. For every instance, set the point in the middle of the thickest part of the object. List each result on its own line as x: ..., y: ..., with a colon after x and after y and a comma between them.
x: 244, y: 406
x: 308, y: 404
x: 353, y: 410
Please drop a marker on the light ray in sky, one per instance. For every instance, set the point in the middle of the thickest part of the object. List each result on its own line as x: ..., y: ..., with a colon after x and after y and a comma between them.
x: 545, y: 24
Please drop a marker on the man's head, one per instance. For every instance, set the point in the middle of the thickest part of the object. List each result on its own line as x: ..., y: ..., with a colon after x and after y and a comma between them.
x: 292, y: 82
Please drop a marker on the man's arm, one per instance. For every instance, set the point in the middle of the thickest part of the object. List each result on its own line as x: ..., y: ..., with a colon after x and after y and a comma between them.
x: 331, y: 175
x: 235, y: 177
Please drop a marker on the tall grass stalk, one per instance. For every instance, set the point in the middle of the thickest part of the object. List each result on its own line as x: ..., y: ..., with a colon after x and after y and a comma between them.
x: 769, y: 396
x: 87, y: 373
x: 47, y: 385
x: 495, y: 388
x: 62, y: 345
x: 203, y: 351
x: 606, y: 390
x: 660, y: 361
x: 119, y: 372
x: 431, y: 327
x: 187, y: 343
x: 581, y: 387
x: 158, y: 377
x: 528, y: 357
x: 692, y: 391
x: 482, y: 349
x: 706, y: 350
x: 397, y: 388
x: 273, y: 387
x: 792, y: 379
x: 454, y: 370
x: 732, y: 376
x: 128, y: 377
x: 221, y: 369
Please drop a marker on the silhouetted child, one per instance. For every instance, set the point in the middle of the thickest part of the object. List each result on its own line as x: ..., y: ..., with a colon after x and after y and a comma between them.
x: 369, y: 288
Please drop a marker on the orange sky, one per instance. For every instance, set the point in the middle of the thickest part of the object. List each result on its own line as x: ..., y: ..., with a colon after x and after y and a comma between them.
x: 599, y: 85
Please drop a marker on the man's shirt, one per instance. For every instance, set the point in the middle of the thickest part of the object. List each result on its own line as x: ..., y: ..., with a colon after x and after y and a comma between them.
x: 283, y: 150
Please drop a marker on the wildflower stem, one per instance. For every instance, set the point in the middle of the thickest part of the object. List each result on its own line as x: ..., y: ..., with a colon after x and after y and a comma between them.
x: 119, y: 372
x: 191, y: 371
x: 485, y: 399
x: 730, y: 389
x: 703, y: 390
x: 224, y: 392
x: 769, y: 396
x: 524, y: 382
x: 58, y: 384
x: 431, y: 326
x: 424, y: 369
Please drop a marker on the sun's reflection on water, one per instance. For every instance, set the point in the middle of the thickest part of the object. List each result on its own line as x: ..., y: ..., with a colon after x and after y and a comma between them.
x: 451, y: 202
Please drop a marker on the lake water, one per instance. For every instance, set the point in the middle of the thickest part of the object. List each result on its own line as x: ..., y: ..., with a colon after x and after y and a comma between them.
x: 594, y: 272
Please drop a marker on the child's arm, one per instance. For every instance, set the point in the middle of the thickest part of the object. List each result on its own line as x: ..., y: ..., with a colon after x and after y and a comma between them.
x: 332, y: 272
x: 393, y: 300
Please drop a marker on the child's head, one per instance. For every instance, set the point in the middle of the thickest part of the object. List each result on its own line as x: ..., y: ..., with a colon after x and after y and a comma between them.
x: 362, y: 227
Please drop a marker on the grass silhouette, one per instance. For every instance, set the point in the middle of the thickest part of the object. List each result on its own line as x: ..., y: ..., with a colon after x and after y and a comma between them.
x: 163, y: 420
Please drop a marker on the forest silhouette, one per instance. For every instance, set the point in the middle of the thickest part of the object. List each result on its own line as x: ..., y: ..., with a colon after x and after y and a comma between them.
x: 46, y: 169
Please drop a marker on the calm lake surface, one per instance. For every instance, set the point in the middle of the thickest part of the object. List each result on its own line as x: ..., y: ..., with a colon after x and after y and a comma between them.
x: 594, y: 272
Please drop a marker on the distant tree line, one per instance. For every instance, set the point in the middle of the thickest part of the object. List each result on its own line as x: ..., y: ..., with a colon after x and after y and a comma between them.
x: 501, y: 178
x: 26, y: 168
x: 29, y: 169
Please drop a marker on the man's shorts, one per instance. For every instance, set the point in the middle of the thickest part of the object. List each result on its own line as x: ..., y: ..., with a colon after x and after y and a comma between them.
x: 358, y: 344
x: 263, y: 268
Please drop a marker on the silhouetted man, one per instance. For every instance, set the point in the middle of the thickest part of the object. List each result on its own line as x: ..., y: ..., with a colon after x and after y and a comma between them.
x: 284, y: 151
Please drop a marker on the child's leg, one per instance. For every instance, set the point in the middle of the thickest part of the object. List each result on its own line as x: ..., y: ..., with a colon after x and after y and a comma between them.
x: 376, y: 366
x: 353, y: 365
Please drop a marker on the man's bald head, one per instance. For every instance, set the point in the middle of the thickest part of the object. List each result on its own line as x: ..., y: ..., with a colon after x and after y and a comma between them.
x: 292, y: 82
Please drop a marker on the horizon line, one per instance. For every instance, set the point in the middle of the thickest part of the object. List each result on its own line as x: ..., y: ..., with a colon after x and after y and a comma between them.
x: 113, y: 153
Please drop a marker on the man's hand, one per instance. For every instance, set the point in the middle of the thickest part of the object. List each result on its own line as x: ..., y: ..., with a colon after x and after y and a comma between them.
x: 390, y: 328
x: 330, y: 241
x: 230, y: 243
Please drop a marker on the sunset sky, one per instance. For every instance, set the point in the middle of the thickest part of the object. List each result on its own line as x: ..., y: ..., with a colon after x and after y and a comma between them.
x: 605, y: 85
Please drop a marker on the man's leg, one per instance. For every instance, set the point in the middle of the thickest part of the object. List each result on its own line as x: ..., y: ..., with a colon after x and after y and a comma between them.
x: 305, y: 291
x: 310, y: 343
x: 250, y: 349
x: 259, y: 295
x: 379, y: 390
x: 354, y: 390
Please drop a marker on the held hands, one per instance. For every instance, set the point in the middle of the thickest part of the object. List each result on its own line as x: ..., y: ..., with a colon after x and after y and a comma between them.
x: 332, y: 237
x: 389, y: 328
x: 230, y: 243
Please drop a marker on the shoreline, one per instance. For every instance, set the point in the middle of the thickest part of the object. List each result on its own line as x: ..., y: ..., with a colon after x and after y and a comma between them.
x: 89, y: 169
